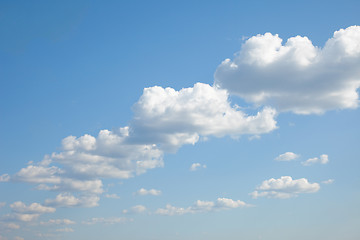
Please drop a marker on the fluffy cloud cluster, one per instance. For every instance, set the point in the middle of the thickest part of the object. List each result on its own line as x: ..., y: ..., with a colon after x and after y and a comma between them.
x: 323, y: 159
x: 26, y: 213
x: 68, y: 200
x: 202, y: 206
x: 288, y: 156
x: 173, y: 118
x: 164, y: 120
x: 284, y: 187
x: 296, y: 76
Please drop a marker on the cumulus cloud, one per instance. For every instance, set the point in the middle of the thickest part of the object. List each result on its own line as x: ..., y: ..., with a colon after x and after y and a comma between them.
x: 164, y: 120
x: 296, y: 76
x: 68, y: 200
x: 20, y: 207
x: 323, y: 159
x: 143, y: 192
x: 110, y: 221
x: 196, y: 166
x: 174, y: 118
x: 288, y: 156
x: 284, y: 187
x: 202, y: 207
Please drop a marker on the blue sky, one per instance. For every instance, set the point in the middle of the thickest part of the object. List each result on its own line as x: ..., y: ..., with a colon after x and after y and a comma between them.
x: 179, y: 120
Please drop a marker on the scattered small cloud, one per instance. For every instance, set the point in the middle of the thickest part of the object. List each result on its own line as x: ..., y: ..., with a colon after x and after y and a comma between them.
x: 114, y: 196
x: 67, y: 230
x: 196, y: 166
x: 113, y: 220
x: 135, y: 209
x: 284, y: 187
x: 329, y: 181
x: 288, y: 156
x: 202, y: 207
x: 57, y: 222
x: 4, y: 178
x: 254, y: 137
x: 143, y: 192
x: 323, y: 159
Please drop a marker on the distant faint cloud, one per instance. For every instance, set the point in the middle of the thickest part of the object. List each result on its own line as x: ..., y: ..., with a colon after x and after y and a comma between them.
x: 202, y: 206
x: 288, y: 156
x: 143, y: 192
x: 323, y: 159
x: 329, y: 181
x: 196, y: 166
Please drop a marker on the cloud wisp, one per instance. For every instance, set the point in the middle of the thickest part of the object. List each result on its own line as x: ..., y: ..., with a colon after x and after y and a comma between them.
x: 323, y: 159
x: 288, y: 156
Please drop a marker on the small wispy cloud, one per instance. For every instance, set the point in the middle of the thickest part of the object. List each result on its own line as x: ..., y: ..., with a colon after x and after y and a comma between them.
x: 196, y: 166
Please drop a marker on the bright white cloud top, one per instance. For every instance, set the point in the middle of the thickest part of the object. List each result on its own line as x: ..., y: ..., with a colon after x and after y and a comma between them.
x: 296, y: 76
x: 202, y: 207
x: 284, y: 187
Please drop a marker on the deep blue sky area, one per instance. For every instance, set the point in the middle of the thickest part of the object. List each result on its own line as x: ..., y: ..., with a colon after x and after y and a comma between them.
x: 71, y: 68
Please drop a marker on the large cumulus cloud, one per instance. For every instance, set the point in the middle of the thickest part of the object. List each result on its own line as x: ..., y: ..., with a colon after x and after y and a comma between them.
x: 296, y: 76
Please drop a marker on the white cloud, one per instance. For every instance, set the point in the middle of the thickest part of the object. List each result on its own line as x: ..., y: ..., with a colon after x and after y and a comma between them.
x: 288, y: 156
x: 173, y: 118
x: 39, y: 174
x: 58, y: 222
x: 202, y: 207
x: 329, y: 181
x: 297, y: 76
x: 34, y: 208
x: 64, y: 230
x: 135, y: 209
x: 107, y: 220
x: 23, y: 217
x: 196, y: 166
x: 114, y: 196
x: 143, y: 191
x: 323, y: 159
x: 68, y: 200
x: 4, y: 178
x: 284, y: 187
